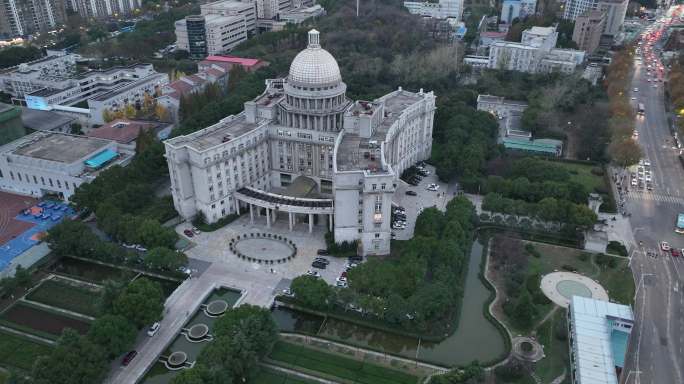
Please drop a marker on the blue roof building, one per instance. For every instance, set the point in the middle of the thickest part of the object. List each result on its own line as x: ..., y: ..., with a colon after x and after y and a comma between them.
x: 599, y: 336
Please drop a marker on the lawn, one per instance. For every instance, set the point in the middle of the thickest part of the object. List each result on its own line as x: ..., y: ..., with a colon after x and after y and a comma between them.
x: 88, y: 271
x: 581, y: 173
x: 17, y: 352
x: 556, y: 350
x: 335, y: 366
x: 40, y: 322
x: 66, y: 295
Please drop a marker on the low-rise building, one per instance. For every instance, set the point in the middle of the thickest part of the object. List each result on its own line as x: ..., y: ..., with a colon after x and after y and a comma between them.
x: 51, y: 163
x: 53, y: 71
x: 229, y: 62
x: 499, y: 106
x: 125, y: 131
x: 535, y: 53
x: 598, y: 334
x: 172, y: 93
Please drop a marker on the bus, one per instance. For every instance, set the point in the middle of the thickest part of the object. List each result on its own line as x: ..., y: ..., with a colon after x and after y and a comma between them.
x: 679, y: 226
x: 641, y: 109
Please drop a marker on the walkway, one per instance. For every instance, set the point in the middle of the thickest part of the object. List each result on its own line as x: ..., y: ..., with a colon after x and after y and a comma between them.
x: 27, y: 335
x: 298, y: 374
x: 559, y: 287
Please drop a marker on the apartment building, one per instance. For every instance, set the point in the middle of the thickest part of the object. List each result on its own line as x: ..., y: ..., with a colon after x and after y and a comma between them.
x: 588, y: 30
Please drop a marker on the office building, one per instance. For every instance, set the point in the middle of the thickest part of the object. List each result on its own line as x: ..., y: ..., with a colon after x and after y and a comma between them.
x: 55, y: 163
x: 211, y: 34
x: 598, y: 334
x: 52, y: 71
x: 517, y: 9
x: 233, y: 8
x: 25, y: 17
x: 303, y: 152
x: 575, y: 8
x: 535, y: 53
x: 588, y: 30
x: 615, y: 11
x: 442, y: 10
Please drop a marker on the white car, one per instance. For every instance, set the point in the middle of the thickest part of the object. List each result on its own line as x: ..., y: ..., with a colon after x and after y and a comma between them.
x: 665, y: 246
x: 342, y: 279
x: 433, y: 187
x: 647, y: 163
x: 341, y: 284
x: 153, y: 329
x: 634, y: 182
x: 636, y: 89
x: 313, y: 273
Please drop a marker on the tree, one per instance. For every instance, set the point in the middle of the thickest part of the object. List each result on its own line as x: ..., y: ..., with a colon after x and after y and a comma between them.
x: 165, y: 259
x: 524, y: 310
x: 129, y: 111
x: 22, y: 275
x: 153, y: 234
x: 311, y: 291
x: 75, y: 360
x: 625, y: 152
x: 254, y: 322
x: 195, y: 375
x: 142, y: 302
x: 108, y: 116
x: 111, y: 289
x: 114, y: 333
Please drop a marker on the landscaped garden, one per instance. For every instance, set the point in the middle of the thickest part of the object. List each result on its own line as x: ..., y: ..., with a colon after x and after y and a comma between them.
x: 271, y: 376
x: 20, y: 353
x: 68, y: 295
x: 88, y: 271
x: 328, y: 365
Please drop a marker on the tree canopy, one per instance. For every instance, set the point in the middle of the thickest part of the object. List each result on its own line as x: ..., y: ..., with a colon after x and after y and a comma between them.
x: 142, y: 302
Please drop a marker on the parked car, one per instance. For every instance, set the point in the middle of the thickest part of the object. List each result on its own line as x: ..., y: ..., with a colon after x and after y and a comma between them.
x: 675, y: 252
x: 664, y: 246
x: 322, y: 260
x: 288, y: 292
x: 195, y: 231
x: 341, y: 284
x: 188, y: 233
x: 322, y: 252
x: 129, y: 357
x: 319, y: 265
x: 356, y: 259
x: 153, y: 329
x: 411, y: 193
x: 313, y: 273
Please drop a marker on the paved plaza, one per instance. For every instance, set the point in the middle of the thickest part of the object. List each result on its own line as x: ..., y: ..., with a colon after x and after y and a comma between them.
x: 559, y: 287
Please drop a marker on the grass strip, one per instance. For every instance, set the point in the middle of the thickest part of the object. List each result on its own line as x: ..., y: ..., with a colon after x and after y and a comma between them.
x: 338, y: 366
x: 66, y: 296
x: 18, y: 352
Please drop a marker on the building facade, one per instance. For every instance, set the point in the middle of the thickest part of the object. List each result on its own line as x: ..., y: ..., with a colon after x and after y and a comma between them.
x: 517, y: 9
x: 615, y: 11
x: 588, y: 30
x: 98, y: 9
x: 24, y: 17
x: 575, y: 8
x: 442, y: 10
x: 304, y: 134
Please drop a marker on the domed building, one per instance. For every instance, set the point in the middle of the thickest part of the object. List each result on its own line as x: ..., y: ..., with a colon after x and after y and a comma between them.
x: 305, y: 153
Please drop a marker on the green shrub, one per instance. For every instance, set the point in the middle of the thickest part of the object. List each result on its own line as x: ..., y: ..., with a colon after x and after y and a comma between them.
x: 616, y: 248
x: 512, y: 371
x: 532, y: 250
x: 598, y: 171
x: 584, y: 256
x: 568, y: 268
x: 601, y: 259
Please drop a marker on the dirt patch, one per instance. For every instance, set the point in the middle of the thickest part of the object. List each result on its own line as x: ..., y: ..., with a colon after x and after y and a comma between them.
x: 43, y: 321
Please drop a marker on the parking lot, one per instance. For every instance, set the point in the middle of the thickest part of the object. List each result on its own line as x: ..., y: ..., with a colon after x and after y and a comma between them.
x: 415, y: 204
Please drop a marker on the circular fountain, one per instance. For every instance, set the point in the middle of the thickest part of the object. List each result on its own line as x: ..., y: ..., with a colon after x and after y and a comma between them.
x: 176, y: 360
x: 198, y: 332
x: 216, y: 308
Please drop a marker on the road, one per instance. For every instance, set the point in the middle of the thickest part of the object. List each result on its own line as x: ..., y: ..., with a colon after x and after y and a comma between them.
x: 656, y: 353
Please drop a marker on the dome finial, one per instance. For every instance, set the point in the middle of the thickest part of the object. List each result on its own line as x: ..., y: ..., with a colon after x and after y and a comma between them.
x: 314, y: 39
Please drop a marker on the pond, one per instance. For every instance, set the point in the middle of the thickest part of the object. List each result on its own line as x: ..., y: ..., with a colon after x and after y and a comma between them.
x: 475, y: 339
x: 159, y: 374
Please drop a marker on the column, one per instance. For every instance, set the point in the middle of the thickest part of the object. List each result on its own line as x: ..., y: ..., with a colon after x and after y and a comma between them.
x: 251, y: 214
x: 330, y: 222
x: 237, y: 206
x: 310, y: 222
x: 274, y: 215
x: 289, y: 220
x: 268, y: 218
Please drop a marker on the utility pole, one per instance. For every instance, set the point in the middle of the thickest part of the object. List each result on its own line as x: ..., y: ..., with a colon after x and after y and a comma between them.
x: 357, y: 8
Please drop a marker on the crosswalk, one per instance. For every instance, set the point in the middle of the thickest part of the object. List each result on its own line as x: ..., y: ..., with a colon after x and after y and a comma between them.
x: 649, y: 196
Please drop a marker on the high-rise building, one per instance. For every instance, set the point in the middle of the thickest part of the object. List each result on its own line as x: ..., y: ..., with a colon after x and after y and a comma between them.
x: 210, y: 34
x: 233, y: 8
x: 517, y: 9
x: 615, y: 11
x: 444, y: 9
x: 574, y: 8
x: 303, y: 152
x: 588, y: 29
x: 24, y: 17
x: 97, y: 9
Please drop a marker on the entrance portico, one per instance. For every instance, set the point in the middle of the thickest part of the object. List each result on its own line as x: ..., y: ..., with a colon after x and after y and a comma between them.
x: 274, y: 203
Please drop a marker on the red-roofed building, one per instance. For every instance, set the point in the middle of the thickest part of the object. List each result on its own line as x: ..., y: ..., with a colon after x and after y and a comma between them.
x: 125, y: 131
x: 229, y: 62
x: 186, y: 85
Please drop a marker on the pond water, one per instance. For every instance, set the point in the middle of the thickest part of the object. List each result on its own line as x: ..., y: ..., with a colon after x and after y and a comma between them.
x: 159, y: 374
x: 475, y: 339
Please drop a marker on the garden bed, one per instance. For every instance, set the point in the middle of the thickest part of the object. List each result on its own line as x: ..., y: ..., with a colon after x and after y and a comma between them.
x: 271, y: 376
x: 67, y: 295
x: 17, y: 352
x: 28, y: 319
x: 92, y: 272
x: 334, y: 366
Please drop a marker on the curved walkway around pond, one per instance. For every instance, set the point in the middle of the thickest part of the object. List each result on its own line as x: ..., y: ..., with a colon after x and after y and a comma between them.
x: 559, y: 287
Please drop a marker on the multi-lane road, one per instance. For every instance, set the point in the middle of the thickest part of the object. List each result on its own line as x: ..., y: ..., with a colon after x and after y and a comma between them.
x: 656, y: 353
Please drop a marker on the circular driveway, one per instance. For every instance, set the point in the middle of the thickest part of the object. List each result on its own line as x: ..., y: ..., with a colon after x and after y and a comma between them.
x: 262, y: 248
x: 560, y: 287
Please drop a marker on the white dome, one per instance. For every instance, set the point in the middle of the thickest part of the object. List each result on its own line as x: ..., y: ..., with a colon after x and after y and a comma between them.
x: 314, y: 65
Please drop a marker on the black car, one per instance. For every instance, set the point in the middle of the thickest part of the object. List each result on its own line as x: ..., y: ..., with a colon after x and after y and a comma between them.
x: 319, y: 265
x: 356, y: 259
x: 411, y: 193
x: 322, y: 260
x: 323, y: 252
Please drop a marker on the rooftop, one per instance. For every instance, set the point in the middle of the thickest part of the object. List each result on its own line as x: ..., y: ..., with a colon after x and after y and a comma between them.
x: 123, y: 131
x: 59, y: 147
x: 601, y: 334
x: 359, y: 153
x: 547, y: 146
x: 544, y: 31
x: 221, y: 132
x: 246, y: 62
x: 127, y: 87
x: 44, y: 120
x: 45, y: 92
